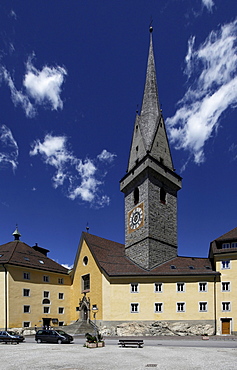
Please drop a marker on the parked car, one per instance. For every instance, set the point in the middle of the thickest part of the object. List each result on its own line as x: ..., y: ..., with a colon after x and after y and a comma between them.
x: 53, y: 336
x: 10, y: 336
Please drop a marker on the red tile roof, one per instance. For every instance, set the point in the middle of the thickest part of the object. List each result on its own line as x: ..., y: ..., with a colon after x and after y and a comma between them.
x: 21, y: 254
x: 110, y: 257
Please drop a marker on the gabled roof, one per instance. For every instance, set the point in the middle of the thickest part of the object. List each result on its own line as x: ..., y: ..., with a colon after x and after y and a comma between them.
x: 21, y: 254
x: 216, y: 245
x: 110, y: 257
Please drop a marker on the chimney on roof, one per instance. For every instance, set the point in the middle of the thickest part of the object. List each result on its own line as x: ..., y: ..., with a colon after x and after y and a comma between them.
x: 44, y: 251
x: 16, y: 234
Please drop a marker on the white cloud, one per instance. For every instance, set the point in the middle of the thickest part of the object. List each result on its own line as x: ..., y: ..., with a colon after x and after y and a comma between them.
x: 213, y: 67
x: 82, y: 178
x: 8, y: 148
x: 44, y: 86
x: 106, y: 156
x: 40, y: 88
x: 208, y: 4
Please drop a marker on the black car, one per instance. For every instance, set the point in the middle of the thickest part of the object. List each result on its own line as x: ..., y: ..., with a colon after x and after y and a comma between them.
x: 10, y: 336
x: 53, y: 336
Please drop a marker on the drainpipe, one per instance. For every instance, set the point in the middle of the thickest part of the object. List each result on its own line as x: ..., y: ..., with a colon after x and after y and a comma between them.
x: 6, y: 307
x: 215, y: 315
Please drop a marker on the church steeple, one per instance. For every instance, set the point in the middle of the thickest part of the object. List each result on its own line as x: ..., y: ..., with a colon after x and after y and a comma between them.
x: 150, y: 111
x: 150, y: 185
x: 149, y: 134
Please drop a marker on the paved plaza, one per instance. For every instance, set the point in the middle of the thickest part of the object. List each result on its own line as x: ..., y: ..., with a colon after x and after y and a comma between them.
x: 166, y: 355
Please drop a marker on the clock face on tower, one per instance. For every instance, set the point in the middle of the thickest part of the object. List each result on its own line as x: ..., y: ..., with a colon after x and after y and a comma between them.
x: 135, y: 218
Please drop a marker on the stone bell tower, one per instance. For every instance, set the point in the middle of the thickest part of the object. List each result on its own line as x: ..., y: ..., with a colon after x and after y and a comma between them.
x: 150, y: 185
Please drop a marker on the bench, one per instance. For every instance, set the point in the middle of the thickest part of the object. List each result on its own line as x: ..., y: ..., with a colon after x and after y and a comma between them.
x: 130, y: 343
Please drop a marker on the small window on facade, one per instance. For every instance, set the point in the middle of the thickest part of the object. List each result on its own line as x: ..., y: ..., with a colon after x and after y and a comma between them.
x: 85, y: 261
x: 60, y: 310
x: 203, y: 306
x: 180, y: 287
x: 26, y: 309
x: 136, y: 195
x: 134, y: 307
x: 180, y: 307
x: 46, y: 294
x: 162, y: 195
x: 26, y: 324
x: 202, y: 287
x: 225, y: 306
x: 26, y: 275
x: 60, y: 280
x: 158, y: 287
x: 60, y: 295
x: 225, y: 264
x: 234, y: 245
x: 86, y: 282
x: 226, y: 286
x: 225, y: 245
x: 77, y: 308
x: 158, y: 307
x: 60, y: 323
x: 26, y: 292
x: 46, y: 279
x: 134, y: 288
x: 46, y: 309
x: 46, y: 301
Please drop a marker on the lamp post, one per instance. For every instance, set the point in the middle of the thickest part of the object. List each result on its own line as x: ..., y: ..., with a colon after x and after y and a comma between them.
x: 95, y: 310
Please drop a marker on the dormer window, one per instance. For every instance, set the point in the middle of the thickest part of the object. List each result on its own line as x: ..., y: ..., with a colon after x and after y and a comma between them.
x: 225, y: 245
x: 234, y: 245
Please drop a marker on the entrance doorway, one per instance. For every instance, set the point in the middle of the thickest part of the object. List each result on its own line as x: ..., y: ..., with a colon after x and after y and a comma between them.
x: 46, y: 323
x: 225, y: 326
x: 84, y: 313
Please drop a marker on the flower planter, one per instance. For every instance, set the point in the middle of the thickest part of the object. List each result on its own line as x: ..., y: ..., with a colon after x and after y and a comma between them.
x: 92, y: 345
x: 101, y: 344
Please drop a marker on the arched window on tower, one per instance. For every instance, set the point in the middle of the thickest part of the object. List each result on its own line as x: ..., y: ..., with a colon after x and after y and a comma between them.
x: 136, y: 195
x: 163, y: 196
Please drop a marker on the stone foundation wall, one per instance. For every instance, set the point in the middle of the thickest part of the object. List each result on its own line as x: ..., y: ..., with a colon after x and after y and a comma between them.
x: 155, y: 328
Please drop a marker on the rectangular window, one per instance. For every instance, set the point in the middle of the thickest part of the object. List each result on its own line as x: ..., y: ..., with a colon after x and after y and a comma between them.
x: 46, y: 279
x: 158, y: 307
x: 234, y: 245
x: 86, y: 283
x: 225, y: 306
x: 60, y: 323
x: 158, y: 287
x: 202, y: 287
x: 26, y: 324
x: 60, y: 310
x: 225, y: 264
x: 46, y: 294
x: 134, y: 288
x: 225, y: 245
x: 46, y: 309
x: 203, y: 306
x: 60, y: 280
x: 60, y: 295
x: 180, y: 307
x: 134, y: 307
x: 26, y: 292
x: 26, y: 275
x: 180, y: 287
x: 225, y: 286
x: 26, y: 309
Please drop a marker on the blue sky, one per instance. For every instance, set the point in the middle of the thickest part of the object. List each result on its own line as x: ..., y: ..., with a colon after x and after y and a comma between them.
x: 72, y: 76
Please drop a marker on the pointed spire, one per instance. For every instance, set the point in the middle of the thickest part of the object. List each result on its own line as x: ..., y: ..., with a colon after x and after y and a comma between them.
x: 150, y: 111
x: 16, y: 234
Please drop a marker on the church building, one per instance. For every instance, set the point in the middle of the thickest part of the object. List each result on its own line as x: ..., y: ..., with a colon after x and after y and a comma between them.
x: 142, y: 281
